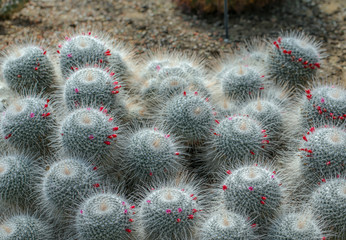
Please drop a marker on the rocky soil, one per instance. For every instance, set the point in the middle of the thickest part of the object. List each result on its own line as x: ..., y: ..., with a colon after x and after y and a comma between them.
x: 158, y: 24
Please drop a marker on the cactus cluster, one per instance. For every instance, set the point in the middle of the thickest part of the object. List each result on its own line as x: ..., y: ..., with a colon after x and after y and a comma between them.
x: 107, y: 146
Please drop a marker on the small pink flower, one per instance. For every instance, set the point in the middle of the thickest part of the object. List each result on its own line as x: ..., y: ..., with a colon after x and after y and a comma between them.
x: 158, y: 68
x: 91, y: 137
x: 168, y: 211
x: 272, y: 176
x: 69, y: 55
x: 81, y: 211
x: 148, y: 201
x: 32, y: 115
x: 250, y: 188
x: 180, y: 210
x: 125, y: 211
x: 322, y: 100
x: 76, y: 90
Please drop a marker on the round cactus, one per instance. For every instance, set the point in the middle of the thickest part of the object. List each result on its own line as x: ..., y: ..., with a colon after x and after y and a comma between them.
x: 235, y: 139
x: 322, y: 153
x: 85, y: 49
x: 65, y: 184
x: 324, y: 103
x: 329, y: 203
x: 295, y: 226
x: 18, y: 179
x: 104, y: 216
x: 91, y: 86
x: 151, y: 153
x: 89, y: 133
x: 241, y: 82
x: 29, y: 69
x: 252, y: 190
x: 270, y: 113
x: 27, y: 123
x: 294, y: 59
x: 226, y: 225
x: 170, y: 213
x: 21, y: 227
x: 193, y: 118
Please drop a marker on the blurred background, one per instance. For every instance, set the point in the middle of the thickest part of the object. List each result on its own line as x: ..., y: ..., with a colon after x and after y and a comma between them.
x: 195, y: 25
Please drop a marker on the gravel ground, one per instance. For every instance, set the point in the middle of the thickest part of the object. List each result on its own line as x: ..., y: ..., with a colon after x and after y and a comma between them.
x: 152, y: 24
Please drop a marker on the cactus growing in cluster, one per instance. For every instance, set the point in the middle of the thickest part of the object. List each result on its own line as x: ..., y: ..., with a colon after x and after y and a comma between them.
x: 295, y: 226
x: 294, y: 59
x: 104, y: 216
x: 151, y: 153
x: 322, y: 153
x: 329, y: 203
x: 27, y: 123
x: 324, y: 103
x: 91, y: 86
x: 235, y: 139
x: 252, y: 190
x: 65, y: 184
x: 89, y: 133
x: 83, y: 49
x: 224, y: 225
x: 22, y: 226
x: 18, y: 179
x: 29, y: 69
x: 193, y: 118
x: 170, y: 212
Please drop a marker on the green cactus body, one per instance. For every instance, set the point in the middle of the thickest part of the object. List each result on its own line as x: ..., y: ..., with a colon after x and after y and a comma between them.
x: 169, y: 213
x: 269, y: 113
x: 65, y: 184
x: 324, y: 104
x: 254, y: 191
x: 89, y: 133
x: 322, y: 153
x: 27, y: 123
x: 226, y: 225
x: 18, y: 179
x: 151, y: 153
x: 241, y: 82
x: 329, y: 203
x: 295, y: 226
x: 29, y: 69
x: 189, y: 116
x: 92, y: 87
x: 23, y: 227
x: 294, y: 59
x: 104, y: 216
x: 235, y: 139
x: 85, y: 49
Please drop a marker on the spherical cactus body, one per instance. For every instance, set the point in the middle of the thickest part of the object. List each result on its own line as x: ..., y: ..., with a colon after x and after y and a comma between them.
x: 27, y: 123
x: 240, y: 82
x: 235, y: 139
x: 89, y: 133
x: 329, y: 203
x: 20, y: 227
x: 18, y: 179
x: 29, y: 69
x: 254, y: 191
x: 294, y: 59
x: 151, y: 153
x: 169, y: 213
x: 226, y: 225
x: 91, y: 86
x: 193, y: 118
x: 295, y: 226
x: 80, y: 50
x: 65, y: 184
x: 322, y: 153
x: 104, y: 216
x: 323, y: 104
